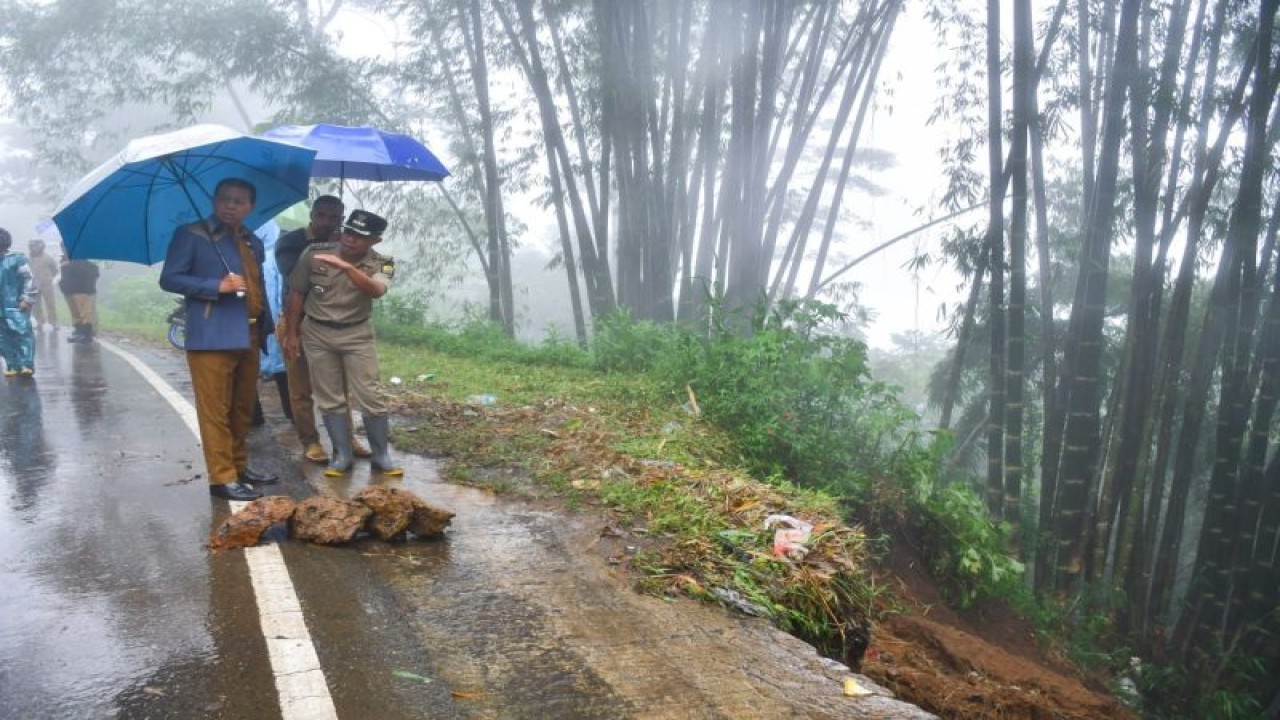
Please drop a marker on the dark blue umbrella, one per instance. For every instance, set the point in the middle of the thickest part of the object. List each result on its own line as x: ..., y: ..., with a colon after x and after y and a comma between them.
x: 128, y: 207
x: 362, y: 153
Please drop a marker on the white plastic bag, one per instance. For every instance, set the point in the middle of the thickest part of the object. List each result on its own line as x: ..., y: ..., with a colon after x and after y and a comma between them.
x: 790, y: 537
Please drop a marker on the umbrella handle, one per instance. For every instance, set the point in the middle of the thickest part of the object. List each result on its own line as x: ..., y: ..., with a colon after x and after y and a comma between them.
x: 227, y: 267
x: 223, y: 258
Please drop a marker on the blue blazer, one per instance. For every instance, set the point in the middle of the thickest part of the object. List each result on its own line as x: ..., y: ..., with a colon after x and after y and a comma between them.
x: 193, y: 268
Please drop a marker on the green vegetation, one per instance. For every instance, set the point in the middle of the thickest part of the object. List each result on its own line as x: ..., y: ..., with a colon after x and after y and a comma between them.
x: 693, y: 441
x: 134, y: 305
x: 687, y: 444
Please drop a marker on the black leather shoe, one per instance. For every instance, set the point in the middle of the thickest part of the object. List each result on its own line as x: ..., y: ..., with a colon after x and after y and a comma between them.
x: 234, y: 491
x: 248, y: 475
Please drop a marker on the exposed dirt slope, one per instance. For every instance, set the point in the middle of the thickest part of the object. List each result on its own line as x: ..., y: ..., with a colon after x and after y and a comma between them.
x: 983, y: 663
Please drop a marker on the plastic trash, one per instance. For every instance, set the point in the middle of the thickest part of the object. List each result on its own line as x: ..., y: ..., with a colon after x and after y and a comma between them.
x: 395, y: 380
x: 485, y: 399
x: 790, y: 537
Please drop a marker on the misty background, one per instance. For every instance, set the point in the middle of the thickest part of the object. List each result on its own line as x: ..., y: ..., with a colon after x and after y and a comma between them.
x: 1077, y: 203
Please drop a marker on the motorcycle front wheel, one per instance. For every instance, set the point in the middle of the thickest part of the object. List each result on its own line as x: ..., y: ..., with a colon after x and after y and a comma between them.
x: 178, y: 335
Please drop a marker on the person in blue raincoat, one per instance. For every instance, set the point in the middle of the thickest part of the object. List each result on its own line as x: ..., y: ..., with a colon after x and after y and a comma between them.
x: 272, y: 359
x: 18, y: 294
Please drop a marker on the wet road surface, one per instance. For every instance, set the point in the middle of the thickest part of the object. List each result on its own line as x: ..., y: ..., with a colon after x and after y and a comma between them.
x: 113, y: 607
x: 103, y: 578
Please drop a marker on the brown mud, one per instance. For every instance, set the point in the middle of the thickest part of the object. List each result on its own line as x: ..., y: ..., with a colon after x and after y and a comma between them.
x: 981, y: 663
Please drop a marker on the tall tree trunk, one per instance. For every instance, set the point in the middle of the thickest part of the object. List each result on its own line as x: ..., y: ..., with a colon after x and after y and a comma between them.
x: 964, y: 338
x: 1080, y: 447
x: 995, y: 241
x: 739, y: 236
x: 1143, y: 589
x: 880, y: 43
x: 1015, y: 347
x: 524, y: 42
x: 703, y: 279
x: 1190, y: 389
x: 1133, y: 437
x: 501, y: 310
x: 1216, y: 560
x: 859, y: 49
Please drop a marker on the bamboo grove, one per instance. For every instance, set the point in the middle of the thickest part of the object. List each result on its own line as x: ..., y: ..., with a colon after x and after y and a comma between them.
x: 1134, y: 409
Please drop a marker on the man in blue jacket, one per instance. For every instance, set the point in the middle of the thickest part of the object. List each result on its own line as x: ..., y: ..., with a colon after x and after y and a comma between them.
x: 216, y: 263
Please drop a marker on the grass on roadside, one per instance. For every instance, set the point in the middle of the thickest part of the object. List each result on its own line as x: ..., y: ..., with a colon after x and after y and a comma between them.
x: 541, y: 423
x: 668, y: 481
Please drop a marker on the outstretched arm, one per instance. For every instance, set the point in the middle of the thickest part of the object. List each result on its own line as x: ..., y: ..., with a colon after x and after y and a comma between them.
x: 372, y: 286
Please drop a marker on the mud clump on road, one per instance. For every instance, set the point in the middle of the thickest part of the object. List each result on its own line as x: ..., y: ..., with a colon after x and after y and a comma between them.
x: 396, y: 510
x: 245, y: 527
x: 386, y: 513
x: 328, y: 521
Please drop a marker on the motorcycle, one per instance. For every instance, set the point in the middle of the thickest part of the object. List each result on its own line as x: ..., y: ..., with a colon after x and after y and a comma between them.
x: 178, y: 325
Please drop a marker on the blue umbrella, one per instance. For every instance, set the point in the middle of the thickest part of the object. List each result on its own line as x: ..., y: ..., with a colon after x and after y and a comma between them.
x: 362, y: 153
x: 128, y: 207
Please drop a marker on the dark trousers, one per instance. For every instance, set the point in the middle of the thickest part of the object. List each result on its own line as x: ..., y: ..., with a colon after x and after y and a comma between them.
x: 300, y: 403
x: 282, y: 387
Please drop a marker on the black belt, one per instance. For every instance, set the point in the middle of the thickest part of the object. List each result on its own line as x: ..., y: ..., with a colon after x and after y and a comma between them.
x: 332, y: 324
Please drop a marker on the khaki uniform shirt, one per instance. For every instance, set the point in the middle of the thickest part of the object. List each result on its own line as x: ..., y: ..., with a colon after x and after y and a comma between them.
x: 45, y: 268
x: 331, y: 297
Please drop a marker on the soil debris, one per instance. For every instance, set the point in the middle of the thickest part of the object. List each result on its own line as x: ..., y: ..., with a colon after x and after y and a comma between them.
x: 327, y: 520
x: 244, y: 528
x: 396, y: 511
x: 957, y: 675
x: 941, y: 663
x: 386, y: 513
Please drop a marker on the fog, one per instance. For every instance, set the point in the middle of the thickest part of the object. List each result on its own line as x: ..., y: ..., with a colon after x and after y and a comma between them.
x: 893, y: 297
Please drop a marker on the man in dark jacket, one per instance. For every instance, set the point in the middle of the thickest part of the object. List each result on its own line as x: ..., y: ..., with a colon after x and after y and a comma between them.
x: 79, y: 285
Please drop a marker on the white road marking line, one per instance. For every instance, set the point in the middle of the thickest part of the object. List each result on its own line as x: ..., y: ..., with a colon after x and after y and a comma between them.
x: 300, y: 682
x: 186, y: 410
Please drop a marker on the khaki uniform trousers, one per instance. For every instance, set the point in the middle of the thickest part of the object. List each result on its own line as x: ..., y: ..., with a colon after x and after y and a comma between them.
x: 225, y: 385
x: 343, y: 361
x: 84, y: 309
x: 46, y: 306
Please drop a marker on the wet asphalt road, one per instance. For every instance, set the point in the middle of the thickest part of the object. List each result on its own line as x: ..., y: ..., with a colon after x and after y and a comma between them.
x: 112, y: 607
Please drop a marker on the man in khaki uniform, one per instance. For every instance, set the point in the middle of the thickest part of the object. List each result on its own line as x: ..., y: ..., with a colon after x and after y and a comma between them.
x: 328, y: 315
x: 45, y: 269
x: 326, y: 218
